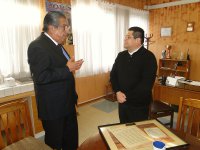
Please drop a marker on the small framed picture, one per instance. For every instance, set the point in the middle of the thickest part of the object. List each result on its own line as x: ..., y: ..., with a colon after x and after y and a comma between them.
x: 165, y: 31
x: 190, y: 27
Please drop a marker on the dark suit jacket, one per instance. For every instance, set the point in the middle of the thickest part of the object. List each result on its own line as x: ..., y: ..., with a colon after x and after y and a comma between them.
x: 53, y: 82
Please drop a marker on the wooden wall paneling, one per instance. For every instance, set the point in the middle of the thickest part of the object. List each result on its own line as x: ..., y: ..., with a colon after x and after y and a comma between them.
x: 177, y: 18
x: 60, y: 1
x: 43, y: 12
x: 69, y: 49
x: 124, y: 2
x: 130, y: 3
x: 137, y: 4
x: 85, y: 88
x: 154, y: 2
x: 113, y: 1
x: 91, y: 87
x: 101, y: 81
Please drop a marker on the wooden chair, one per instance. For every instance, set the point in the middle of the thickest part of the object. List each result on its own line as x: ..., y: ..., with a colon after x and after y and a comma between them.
x: 159, y: 109
x: 15, y: 126
x: 188, y: 120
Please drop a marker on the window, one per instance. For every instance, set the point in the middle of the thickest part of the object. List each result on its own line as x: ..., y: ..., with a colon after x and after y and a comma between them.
x: 20, y: 24
x: 98, y: 32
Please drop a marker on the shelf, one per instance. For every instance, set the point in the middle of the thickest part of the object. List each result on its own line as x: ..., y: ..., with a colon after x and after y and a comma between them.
x: 174, y: 67
x: 184, y: 60
x: 169, y: 69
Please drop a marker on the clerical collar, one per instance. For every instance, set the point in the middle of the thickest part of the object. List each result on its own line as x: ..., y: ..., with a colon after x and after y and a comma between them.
x: 131, y: 53
x: 51, y: 38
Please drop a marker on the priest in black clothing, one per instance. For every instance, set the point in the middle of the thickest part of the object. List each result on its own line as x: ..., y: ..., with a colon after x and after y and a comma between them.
x: 132, y: 77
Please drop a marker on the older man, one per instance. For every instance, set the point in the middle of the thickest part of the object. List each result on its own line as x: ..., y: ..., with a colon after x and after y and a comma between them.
x: 51, y: 69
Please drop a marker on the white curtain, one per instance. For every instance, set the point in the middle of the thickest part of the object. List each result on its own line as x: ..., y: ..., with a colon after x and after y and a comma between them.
x: 20, y: 24
x: 98, y: 32
x: 122, y: 17
x: 94, y: 35
x: 139, y: 18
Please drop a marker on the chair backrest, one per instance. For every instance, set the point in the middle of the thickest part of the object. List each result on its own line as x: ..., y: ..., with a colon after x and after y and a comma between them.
x: 15, y: 122
x: 188, y: 120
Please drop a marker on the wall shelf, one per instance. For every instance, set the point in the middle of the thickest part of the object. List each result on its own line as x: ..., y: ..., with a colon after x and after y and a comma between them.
x: 174, y: 67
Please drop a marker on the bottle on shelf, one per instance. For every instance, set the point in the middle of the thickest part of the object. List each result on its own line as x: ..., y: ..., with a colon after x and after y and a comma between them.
x: 181, y: 55
x: 168, y: 51
x: 188, y: 55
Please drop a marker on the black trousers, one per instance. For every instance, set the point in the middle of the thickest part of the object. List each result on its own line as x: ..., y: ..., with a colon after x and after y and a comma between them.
x: 62, y: 133
x: 129, y: 114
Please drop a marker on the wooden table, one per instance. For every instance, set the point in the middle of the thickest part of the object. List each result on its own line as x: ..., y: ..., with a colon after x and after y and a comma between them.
x: 96, y: 142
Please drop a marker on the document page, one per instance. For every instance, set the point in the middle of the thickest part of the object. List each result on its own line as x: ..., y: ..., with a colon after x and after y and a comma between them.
x: 155, y: 132
x: 129, y: 136
x: 196, y: 83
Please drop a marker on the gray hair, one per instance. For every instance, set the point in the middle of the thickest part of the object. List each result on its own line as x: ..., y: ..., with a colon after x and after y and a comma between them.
x: 52, y: 18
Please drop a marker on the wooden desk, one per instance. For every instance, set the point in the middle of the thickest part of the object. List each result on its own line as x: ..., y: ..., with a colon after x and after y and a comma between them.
x: 17, y: 96
x: 172, y: 95
x: 96, y: 143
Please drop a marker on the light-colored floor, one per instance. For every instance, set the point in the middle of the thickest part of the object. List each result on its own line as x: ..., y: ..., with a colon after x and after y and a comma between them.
x: 90, y: 118
x: 98, y: 113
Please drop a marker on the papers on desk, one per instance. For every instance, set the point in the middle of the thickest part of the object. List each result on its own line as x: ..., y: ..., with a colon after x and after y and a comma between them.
x: 139, y: 136
x: 173, y: 81
x: 195, y: 83
x: 155, y: 133
x: 130, y: 137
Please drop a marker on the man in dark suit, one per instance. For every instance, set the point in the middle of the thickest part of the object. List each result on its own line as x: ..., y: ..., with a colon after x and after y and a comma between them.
x: 52, y: 72
x: 132, y: 77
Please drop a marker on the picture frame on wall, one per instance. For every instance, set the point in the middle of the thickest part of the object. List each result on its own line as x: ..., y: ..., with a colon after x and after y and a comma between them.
x: 166, y: 31
x: 190, y: 27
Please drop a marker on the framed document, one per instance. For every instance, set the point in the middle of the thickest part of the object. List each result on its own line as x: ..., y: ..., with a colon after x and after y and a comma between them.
x: 139, y: 136
x: 165, y: 31
x: 190, y: 27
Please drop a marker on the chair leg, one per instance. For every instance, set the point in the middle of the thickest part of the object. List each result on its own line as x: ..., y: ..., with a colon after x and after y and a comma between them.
x: 171, y: 121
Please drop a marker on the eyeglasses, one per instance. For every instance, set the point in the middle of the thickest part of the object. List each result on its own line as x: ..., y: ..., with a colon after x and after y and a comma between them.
x: 128, y: 37
x: 64, y: 27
